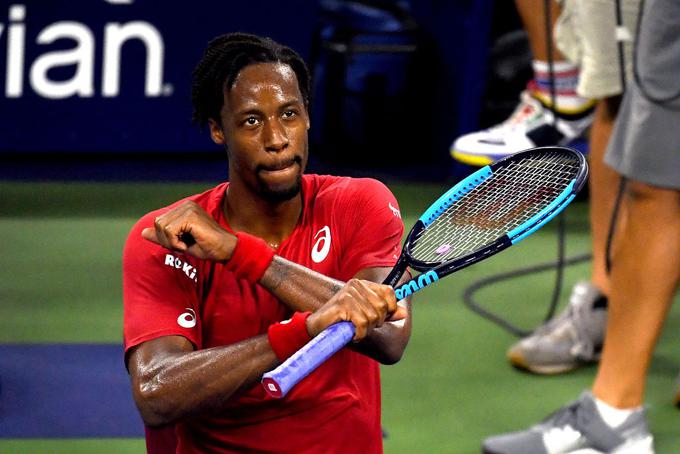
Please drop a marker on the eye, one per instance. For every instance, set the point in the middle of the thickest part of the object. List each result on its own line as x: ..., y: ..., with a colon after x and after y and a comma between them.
x: 289, y: 114
x: 250, y: 121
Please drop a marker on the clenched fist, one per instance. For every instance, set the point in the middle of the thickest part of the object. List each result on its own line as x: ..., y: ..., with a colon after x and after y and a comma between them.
x: 187, y: 228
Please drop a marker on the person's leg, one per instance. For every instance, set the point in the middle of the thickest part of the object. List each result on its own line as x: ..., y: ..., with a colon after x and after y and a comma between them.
x: 532, y: 123
x: 644, y: 278
x: 532, y: 13
x: 575, y: 337
x: 603, y: 185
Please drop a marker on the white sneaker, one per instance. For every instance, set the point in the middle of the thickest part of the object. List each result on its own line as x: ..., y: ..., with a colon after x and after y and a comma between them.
x: 530, y: 125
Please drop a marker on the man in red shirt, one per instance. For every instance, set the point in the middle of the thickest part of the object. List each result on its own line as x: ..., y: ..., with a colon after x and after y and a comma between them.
x: 208, y: 280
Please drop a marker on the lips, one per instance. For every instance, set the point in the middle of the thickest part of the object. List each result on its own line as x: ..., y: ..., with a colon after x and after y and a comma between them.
x: 281, y: 165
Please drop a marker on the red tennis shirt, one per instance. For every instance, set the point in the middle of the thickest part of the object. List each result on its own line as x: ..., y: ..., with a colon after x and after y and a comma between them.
x: 346, y: 225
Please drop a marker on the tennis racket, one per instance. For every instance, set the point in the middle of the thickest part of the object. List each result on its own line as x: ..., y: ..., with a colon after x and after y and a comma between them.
x: 495, y: 207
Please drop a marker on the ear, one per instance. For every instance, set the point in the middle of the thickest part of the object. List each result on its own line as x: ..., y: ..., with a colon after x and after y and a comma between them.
x: 216, y: 132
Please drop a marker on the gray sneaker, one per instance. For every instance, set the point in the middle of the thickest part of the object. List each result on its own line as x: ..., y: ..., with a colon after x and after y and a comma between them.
x: 577, y: 428
x: 570, y: 340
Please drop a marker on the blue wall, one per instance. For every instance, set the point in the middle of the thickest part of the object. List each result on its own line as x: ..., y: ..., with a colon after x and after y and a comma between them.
x: 129, y: 119
x: 56, y: 96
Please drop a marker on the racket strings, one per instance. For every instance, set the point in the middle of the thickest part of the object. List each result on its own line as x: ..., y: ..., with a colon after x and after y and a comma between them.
x: 503, y: 202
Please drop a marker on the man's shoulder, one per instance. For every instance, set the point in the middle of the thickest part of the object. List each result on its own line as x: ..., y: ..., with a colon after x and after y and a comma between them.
x: 209, y: 200
x: 344, y: 187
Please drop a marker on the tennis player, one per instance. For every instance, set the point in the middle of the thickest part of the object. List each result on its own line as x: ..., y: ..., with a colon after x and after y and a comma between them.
x: 224, y: 285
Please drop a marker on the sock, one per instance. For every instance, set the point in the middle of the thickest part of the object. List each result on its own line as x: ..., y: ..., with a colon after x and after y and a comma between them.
x: 566, y: 79
x: 613, y: 416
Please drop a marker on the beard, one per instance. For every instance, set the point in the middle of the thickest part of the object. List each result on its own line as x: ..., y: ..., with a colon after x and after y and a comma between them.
x: 279, y: 194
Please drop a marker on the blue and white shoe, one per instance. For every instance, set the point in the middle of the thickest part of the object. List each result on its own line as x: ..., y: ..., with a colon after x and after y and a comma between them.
x: 530, y: 125
x: 577, y: 428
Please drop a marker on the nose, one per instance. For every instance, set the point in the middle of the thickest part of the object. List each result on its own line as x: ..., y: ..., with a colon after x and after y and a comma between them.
x: 275, y: 136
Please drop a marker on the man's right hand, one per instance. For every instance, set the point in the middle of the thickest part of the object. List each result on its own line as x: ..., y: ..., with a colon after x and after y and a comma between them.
x: 364, y: 303
x: 188, y: 229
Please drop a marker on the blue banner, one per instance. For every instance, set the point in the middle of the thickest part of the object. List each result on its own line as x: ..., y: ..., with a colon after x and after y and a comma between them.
x: 115, y: 75
x: 110, y: 76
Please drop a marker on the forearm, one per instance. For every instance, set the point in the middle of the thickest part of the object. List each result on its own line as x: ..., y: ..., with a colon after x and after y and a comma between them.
x: 302, y: 289
x: 299, y: 288
x: 180, y: 384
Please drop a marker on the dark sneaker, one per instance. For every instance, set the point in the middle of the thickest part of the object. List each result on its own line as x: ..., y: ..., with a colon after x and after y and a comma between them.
x: 570, y: 340
x: 577, y: 428
x: 530, y: 125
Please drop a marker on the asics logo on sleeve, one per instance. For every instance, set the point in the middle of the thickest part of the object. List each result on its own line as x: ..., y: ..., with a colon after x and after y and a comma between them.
x: 395, y: 211
x: 177, y: 263
x: 322, y: 245
x: 187, y: 319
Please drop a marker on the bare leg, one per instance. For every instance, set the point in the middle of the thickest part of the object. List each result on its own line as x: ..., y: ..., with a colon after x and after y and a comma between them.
x: 533, y: 17
x: 603, y: 184
x: 644, y: 278
x: 603, y: 180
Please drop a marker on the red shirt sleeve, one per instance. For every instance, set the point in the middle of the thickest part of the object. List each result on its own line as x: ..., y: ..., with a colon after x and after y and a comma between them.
x: 371, y: 225
x: 160, y: 295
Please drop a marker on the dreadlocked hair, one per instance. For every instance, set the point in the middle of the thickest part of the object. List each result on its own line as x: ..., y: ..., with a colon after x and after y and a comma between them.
x: 221, y: 63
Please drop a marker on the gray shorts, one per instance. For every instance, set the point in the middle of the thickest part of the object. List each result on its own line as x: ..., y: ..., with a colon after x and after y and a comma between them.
x: 586, y: 34
x: 645, y: 144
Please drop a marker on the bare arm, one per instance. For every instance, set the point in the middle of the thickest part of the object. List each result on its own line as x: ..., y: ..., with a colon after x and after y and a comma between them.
x: 302, y: 289
x: 171, y: 381
x: 298, y: 287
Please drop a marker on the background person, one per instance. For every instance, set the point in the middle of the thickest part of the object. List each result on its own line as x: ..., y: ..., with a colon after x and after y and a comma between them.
x: 586, y: 34
x: 531, y: 124
x: 646, y: 267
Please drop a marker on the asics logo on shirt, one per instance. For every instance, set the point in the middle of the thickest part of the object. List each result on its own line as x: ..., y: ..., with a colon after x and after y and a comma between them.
x: 322, y: 244
x: 177, y: 263
x: 187, y: 319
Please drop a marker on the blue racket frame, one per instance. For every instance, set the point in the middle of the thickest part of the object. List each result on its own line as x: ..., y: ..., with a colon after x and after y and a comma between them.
x: 281, y: 380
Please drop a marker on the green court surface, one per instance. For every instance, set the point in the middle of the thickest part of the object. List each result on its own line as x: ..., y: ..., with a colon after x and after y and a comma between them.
x: 60, y: 282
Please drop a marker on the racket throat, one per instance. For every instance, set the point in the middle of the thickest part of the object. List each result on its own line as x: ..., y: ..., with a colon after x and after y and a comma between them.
x: 397, y: 271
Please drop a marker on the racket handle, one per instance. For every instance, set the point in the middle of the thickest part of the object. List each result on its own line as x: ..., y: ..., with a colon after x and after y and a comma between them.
x: 279, y: 381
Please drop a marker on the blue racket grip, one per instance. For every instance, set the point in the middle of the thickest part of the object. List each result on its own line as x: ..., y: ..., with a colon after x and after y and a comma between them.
x: 279, y: 381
